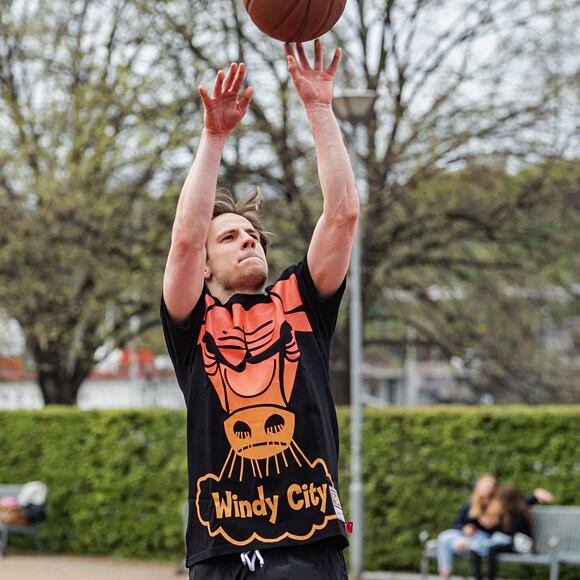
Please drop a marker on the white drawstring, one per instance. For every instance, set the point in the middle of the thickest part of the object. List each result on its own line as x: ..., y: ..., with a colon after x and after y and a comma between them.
x: 251, y: 562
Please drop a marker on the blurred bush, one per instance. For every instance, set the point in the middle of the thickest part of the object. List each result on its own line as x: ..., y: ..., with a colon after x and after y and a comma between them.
x: 420, y: 465
x: 118, y: 478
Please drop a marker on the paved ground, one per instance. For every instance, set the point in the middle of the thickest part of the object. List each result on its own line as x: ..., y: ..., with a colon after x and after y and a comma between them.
x: 33, y: 567
x: 398, y: 576
x: 401, y: 576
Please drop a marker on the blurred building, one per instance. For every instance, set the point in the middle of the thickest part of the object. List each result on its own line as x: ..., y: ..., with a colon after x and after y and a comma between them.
x: 415, y: 383
x: 125, y: 379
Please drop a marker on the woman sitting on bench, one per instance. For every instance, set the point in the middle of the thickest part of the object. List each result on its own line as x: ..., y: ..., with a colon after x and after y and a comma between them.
x: 509, y: 512
x: 468, y: 525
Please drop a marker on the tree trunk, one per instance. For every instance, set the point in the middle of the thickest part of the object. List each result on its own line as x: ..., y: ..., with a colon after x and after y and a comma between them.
x: 58, y: 382
x: 58, y: 387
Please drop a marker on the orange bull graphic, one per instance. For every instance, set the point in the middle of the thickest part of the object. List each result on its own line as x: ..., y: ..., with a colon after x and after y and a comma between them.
x: 251, y: 359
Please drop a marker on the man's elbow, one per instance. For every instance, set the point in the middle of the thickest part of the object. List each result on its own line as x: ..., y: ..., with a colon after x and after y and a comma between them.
x: 346, y: 213
x: 183, y: 242
x: 353, y: 211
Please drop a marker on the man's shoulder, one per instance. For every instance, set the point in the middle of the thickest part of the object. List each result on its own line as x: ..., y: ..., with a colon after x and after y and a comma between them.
x: 293, y: 268
x: 289, y: 274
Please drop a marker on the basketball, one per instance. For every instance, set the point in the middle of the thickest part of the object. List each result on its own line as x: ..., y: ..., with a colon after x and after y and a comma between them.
x: 295, y: 20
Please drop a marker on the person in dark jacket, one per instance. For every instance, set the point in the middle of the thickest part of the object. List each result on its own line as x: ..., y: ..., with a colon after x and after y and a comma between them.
x: 469, y: 524
x: 511, y: 511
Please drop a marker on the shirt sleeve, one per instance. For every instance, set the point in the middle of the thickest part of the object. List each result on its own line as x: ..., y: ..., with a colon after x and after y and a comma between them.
x: 322, y: 310
x: 181, y: 340
x: 531, y: 499
x: 462, y: 517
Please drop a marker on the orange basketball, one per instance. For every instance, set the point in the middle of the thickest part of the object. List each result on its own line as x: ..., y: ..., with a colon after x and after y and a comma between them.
x: 295, y: 20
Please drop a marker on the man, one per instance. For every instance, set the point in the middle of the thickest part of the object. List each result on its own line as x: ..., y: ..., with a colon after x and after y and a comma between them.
x: 253, y: 363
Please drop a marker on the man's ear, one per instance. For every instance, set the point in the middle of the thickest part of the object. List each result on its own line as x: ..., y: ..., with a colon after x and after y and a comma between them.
x: 206, y: 272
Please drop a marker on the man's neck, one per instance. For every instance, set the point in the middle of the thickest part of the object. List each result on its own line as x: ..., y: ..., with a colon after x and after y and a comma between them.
x: 223, y: 295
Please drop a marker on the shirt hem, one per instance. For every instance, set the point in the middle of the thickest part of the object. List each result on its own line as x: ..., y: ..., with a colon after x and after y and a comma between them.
x: 341, y: 542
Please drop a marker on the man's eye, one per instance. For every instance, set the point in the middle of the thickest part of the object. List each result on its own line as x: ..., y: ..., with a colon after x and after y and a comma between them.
x: 228, y: 237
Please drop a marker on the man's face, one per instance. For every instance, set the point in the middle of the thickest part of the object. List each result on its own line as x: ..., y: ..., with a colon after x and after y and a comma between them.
x: 236, y: 261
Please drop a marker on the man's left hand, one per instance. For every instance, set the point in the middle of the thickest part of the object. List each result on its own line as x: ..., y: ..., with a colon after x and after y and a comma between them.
x: 314, y: 85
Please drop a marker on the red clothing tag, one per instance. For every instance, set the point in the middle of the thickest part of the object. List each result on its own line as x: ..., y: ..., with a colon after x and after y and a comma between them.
x: 348, y: 527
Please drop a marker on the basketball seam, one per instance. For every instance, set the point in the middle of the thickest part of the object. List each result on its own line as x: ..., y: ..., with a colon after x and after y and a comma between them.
x: 328, y: 13
x: 296, y: 5
x: 304, y: 20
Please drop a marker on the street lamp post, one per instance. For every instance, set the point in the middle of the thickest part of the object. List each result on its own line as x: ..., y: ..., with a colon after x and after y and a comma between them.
x: 355, y: 107
x: 545, y: 313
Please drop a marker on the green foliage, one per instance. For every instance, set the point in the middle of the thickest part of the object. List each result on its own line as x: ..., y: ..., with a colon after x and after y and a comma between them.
x: 493, y: 244
x: 100, y: 120
x: 81, y: 171
x: 419, y: 466
x: 118, y: 479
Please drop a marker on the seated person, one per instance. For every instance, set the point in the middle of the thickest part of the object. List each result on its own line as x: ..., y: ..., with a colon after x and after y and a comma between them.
x: 511, y: 511
x: 469, y: 524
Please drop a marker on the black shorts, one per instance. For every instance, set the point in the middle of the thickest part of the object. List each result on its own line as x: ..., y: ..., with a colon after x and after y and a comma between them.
x: 309, y: 562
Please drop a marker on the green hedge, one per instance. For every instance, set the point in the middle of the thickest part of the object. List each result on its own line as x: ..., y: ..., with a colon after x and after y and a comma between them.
x: 419, y: 466
x: 118, y: 478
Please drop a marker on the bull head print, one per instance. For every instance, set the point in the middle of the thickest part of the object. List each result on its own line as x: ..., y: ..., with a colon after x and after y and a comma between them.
x: 251, y: 358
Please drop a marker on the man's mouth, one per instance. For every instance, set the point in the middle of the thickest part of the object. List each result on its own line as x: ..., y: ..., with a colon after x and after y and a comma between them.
x: 248, y: 257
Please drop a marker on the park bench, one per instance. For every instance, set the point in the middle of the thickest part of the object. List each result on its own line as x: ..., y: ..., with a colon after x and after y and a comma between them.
x: 556, y: 531
x: 29, y: 530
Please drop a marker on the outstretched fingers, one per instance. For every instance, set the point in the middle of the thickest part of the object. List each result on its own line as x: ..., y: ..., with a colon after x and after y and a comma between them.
x: 289, y: 50
x: 238, y: 79
x: 291, y: 59
x: 331, y: 70
x: 217, y: 87
x: 245, y: 100
x: 318, y: 55
x: 205, y: 99
x: 302, y: 59
x: 229, y: 81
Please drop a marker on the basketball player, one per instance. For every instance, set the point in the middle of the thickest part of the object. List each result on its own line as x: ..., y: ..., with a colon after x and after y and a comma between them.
x: 253, y: 362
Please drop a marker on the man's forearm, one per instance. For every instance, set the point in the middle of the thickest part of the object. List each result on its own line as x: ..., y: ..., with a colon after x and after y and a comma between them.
x: 334, y: 166
x: 197, y: 197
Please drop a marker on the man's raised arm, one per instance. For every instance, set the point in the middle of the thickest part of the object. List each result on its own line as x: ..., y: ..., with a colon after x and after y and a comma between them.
x: 332, y: 240
x: 183, y: 279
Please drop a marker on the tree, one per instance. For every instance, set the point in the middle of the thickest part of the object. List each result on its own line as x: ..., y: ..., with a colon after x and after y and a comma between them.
x: 84, y: 123
x: 457, y: 81
x: 482, y: 299
x: 100, y: 118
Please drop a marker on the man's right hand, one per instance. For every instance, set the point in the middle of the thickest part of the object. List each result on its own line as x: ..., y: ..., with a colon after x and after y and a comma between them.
x: 223, y: 110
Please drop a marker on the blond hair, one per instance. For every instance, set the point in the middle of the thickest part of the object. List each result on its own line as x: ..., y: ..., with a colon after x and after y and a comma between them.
x: 479, y: 503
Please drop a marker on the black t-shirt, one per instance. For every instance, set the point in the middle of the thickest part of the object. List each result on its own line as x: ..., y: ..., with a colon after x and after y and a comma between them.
x: 520, y: 522
x: 262, y: 433
x: 463, y: 518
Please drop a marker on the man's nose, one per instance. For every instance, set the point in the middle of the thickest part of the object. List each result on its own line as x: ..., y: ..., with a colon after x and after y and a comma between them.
x: 248, y: 241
